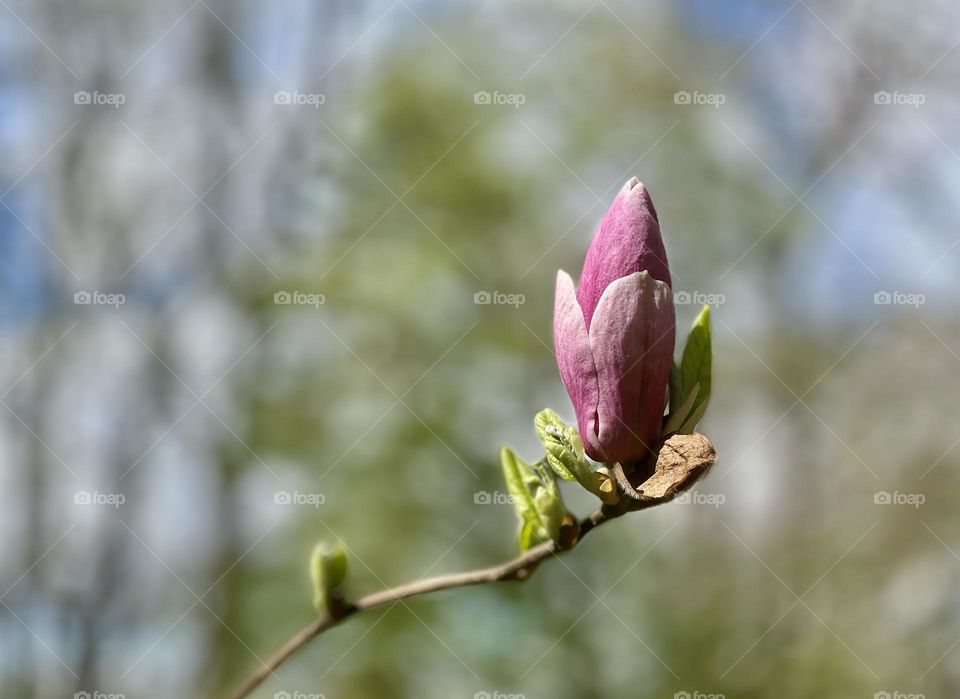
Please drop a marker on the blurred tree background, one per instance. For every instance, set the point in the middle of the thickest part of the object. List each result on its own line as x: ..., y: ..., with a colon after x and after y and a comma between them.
x: 803, y: 160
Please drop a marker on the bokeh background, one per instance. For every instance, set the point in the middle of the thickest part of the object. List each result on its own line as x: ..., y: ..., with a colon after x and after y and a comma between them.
x: 175, y: 438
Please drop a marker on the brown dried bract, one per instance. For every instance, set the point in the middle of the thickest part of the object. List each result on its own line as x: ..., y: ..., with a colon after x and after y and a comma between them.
x: 682, y: 460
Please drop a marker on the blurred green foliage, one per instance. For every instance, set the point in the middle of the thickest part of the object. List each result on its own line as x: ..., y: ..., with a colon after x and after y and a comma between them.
x: 399, y: 200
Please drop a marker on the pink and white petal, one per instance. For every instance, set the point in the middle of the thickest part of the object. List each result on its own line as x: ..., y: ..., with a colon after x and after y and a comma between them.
x: 577, y: 368
x: 627, y: 240
x: 660, y: 340
x: 631, y: 340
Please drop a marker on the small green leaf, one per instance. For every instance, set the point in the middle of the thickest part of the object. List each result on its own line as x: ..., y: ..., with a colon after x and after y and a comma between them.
x: 676, y: 387
x: 696, y: 416
x: 536, y: 498
x: 678, y: 416
x: 561, y: 443
x: 528, y: 536
x: 697, y: 363
x: 328, y: 570
x: 518, y: 475
x: 564, y: 452
x: 548, y: 502
x: 695, y: 371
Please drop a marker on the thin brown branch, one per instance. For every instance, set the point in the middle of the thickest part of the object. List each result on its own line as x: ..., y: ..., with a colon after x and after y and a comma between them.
x: 681, y: 460
x: 518, y: 568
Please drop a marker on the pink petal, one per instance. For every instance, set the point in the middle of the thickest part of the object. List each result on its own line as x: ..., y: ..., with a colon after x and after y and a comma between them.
x: 626, y: 240
x: 577, y: 369
x: 632, y: 339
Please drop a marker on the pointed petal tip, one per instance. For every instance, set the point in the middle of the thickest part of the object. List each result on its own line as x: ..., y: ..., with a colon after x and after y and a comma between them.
x: 564, y: 285
x: 640, y: 196
x: 636, y: 187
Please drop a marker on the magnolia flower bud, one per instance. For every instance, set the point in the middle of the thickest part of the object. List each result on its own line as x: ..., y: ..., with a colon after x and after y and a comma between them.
x: 614, y: 335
